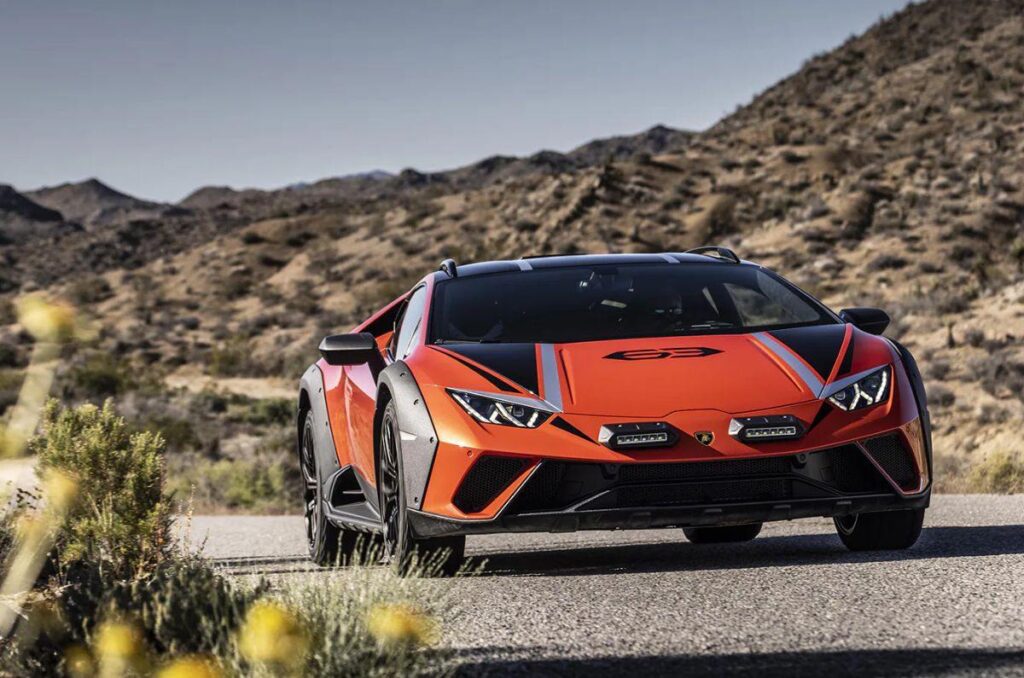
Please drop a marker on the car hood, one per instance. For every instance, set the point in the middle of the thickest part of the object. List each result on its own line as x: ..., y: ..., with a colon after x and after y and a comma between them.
x: 651, y: 377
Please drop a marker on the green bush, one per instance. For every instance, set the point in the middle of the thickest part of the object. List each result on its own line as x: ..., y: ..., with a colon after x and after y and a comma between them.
x: 178, y: 434
x: 101, y: 375
x: 248, y: 485
x: 231, y: 358
x: 122, y: 518
x: 267, y: 412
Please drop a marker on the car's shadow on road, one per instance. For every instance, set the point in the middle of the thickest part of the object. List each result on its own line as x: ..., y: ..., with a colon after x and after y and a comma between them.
x: 909, y: 662
x: 817, y: 549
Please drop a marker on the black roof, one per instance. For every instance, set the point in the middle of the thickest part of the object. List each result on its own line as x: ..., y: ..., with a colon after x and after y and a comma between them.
x: 565, y: 260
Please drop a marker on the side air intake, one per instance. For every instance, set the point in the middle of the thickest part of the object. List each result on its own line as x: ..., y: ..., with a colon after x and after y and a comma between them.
x: 486, y: 480
x: 891, y: 454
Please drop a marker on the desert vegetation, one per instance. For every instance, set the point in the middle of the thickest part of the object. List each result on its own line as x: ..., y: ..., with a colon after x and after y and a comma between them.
x: 107, y: 589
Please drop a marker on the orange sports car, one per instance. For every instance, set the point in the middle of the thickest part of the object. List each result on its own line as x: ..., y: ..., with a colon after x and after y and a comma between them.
x: 600, y: 392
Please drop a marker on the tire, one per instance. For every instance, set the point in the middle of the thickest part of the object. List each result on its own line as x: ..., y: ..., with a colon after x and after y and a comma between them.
x: 886, y: 531
x: 328, y: 544
x: 722, y: 535
x: 407, y: 554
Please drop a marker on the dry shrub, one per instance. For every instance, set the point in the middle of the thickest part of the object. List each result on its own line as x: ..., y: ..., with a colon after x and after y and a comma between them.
x: 999, y: 473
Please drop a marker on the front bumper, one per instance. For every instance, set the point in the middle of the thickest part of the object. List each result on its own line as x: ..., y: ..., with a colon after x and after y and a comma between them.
x: 561, y: 495
x: 430, y: 525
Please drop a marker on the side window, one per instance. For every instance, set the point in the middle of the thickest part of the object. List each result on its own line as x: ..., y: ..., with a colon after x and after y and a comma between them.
x: 411, y: 321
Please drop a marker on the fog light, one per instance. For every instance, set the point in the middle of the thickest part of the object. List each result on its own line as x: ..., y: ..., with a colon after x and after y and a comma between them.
x: 637, y: 436
x: 766, y: 429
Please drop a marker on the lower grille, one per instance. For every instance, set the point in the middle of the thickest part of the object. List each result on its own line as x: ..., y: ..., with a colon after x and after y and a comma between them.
x: 891, y: 454
x: 769, y: 489
x: 645, y: 473
x: 558, y: 486
x: 486, y: 480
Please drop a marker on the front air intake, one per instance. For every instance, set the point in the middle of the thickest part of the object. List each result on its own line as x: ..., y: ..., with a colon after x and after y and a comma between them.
x: 892, y: 455
x: 486, y: 480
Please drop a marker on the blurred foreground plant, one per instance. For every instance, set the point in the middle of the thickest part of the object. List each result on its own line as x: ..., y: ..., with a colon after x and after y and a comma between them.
x: 36, y: 534
x: 396, y: 624
x: 120, y: 597
x: 120, y: 649
x: 51, y: 324
x: 273, y: 637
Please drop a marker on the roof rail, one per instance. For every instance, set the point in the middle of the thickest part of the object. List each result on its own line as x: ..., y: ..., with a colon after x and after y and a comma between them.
x: 542, y: 256
x: 448, y: 266
x: 716, y: 253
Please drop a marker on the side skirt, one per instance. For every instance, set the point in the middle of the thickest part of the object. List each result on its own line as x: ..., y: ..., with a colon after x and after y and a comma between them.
x: 345, y: 503
x: 360, y: 517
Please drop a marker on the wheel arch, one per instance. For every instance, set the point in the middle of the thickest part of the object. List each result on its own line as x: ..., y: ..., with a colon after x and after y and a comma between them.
x: 417, y: 439
x: 311, y: 394
x: 384, y: 396
x: 300, y: 417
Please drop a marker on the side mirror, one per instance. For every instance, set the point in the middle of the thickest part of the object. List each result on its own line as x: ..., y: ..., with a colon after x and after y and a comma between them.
x: 349, y: 349
x: 871, y: 320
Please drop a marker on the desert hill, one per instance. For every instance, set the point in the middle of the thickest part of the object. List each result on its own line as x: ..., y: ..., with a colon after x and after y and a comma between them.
x: 93, y: 204
x: 886, y: 172
x: 21, y: 218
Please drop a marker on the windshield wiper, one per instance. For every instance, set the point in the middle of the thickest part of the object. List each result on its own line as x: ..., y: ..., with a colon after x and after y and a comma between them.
x: 711, y: 324
x: 467, y: 341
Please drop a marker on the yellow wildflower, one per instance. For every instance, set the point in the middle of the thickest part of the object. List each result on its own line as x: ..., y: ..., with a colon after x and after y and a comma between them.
x: 271, y: 634
x: 78, y: 662
x: 46, y: 320
x: 191, y: 667
x: 121, y: 649
x: 400, y: 624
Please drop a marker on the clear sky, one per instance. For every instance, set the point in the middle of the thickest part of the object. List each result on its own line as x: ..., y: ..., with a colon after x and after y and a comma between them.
x: 158, y: 97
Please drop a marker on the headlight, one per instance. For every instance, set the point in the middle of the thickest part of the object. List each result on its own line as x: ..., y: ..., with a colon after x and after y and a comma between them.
x: 503, y: 410
x: 865, y: 392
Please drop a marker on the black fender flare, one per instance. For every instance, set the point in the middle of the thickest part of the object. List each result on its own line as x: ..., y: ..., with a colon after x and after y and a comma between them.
x: 312, y: 384
x: 418, y: 442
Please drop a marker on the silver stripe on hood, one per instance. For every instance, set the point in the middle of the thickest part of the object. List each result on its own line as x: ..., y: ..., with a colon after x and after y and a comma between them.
x: 810, y: 379
x: 549, y: 375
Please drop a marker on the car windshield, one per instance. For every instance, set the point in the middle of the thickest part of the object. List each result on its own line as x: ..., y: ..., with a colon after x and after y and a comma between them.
x: 586, y: 303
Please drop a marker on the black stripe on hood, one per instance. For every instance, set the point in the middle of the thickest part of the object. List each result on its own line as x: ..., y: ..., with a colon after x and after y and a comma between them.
x: 847, y: 363
x: 501, y: 384
x: 517, y: 362
x: 818, y: 345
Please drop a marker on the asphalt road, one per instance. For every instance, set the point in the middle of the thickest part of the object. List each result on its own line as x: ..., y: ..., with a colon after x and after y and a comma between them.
x: 793, y: 602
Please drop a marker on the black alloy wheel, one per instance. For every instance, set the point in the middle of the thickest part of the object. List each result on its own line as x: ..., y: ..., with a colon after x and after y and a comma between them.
x: 322, y: 538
